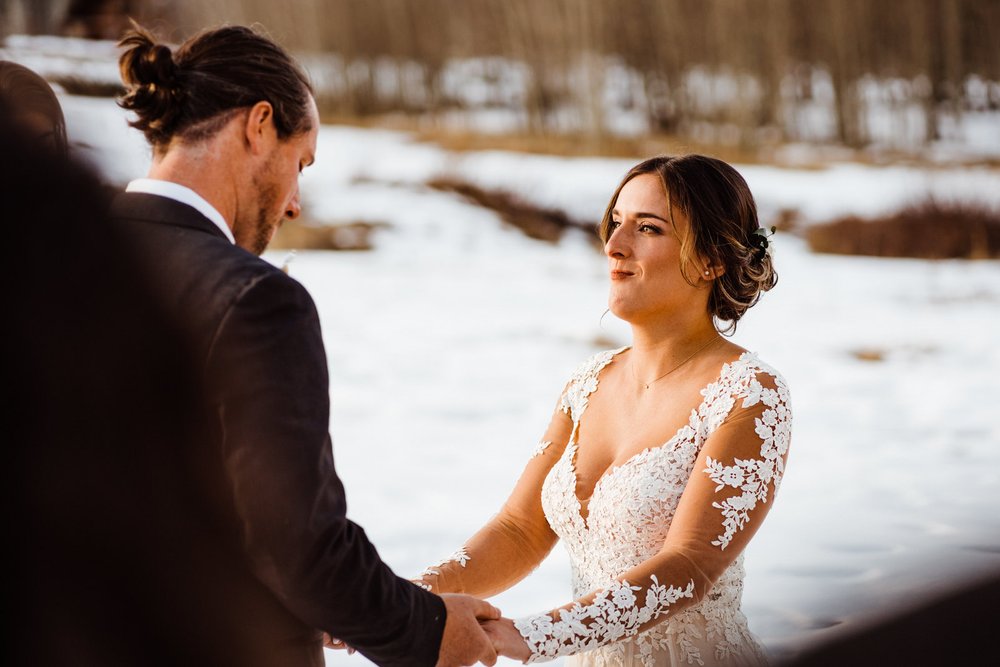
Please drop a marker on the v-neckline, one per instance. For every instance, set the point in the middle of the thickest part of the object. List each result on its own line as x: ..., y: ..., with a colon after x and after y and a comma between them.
x: 574, y: 444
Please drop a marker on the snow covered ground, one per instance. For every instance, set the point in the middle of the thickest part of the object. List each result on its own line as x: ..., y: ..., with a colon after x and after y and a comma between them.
x: 449, y: 343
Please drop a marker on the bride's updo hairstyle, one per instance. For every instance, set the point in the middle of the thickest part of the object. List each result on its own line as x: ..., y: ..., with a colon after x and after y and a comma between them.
x: 723, y: 221
x: 191, y: 93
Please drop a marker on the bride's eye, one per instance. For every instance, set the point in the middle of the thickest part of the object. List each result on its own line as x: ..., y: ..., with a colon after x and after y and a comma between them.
x: 648, y: 228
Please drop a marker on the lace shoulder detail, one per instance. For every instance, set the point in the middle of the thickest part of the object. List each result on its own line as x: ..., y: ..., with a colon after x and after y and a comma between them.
x: 753, y: 384
x: 583, y: 383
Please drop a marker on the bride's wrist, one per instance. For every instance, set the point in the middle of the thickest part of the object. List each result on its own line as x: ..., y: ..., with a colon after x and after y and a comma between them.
x: 523, y: 650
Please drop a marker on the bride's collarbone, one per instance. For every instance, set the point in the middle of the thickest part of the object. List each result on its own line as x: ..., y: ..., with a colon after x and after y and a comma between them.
x: 651, y: 416
x: 603, y: 444
x: 616, y: 427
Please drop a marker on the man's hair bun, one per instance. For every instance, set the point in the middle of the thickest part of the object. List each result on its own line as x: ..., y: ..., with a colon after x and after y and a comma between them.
x: 152, y: 77
x: 190, y: 93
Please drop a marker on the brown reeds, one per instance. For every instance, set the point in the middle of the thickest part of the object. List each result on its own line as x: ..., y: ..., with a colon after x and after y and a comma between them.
x: 356, y: 235
x: 537, y: 222
x: 930, y: 229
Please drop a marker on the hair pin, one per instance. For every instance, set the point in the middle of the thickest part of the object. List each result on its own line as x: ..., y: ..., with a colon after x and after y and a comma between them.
x: 759, y: 241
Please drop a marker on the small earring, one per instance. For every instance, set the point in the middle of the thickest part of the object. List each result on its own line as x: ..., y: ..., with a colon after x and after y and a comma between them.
x: 706, y: 272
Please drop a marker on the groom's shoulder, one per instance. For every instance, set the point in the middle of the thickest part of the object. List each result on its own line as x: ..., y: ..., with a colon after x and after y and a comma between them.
x: 177, y: 240
x: 200, y: 271
x: 236, y: 275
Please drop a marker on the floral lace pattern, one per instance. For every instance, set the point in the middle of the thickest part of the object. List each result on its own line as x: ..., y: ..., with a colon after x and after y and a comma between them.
x: 628, y: 518
x: 584, y: 383
x: 540, y: 448
x: 752, y: 476
x: 613, y: 615
x: 461, y: 557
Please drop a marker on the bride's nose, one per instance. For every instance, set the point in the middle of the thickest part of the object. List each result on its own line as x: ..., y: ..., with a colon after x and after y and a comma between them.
x: 617, y: 245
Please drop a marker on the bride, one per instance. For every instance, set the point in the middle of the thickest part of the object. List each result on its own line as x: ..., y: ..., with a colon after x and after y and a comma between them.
x: 662, y: 458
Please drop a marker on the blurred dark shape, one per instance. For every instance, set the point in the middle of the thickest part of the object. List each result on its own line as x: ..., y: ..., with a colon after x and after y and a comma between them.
x: 543, y: 224
x: 98, y: 19
x: 930, y: 229
x: 346, y: 236
x: 32, y: 106
x: 89, y: 19
x: 111, y: 529
x: 955, y: 629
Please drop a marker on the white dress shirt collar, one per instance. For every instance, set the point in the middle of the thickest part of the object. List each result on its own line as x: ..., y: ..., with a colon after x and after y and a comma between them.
x: 184, y: 195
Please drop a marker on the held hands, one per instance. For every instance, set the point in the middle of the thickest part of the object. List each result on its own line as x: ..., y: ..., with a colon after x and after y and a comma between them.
x: 465, y: 642
x: 507, y: 640
x: 474, y: 632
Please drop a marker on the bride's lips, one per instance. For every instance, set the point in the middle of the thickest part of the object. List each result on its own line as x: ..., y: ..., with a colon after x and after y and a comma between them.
x: 618, y: 274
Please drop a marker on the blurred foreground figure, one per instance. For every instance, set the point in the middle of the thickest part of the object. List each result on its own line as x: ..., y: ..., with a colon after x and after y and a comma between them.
x: 232, y: 123
x: 112, y: 535
x: 32, y: 107
x: 957, y: 628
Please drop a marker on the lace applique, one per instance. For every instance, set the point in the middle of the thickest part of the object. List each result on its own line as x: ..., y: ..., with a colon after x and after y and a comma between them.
x: 753, y: 476
x: 584, y: 382
x: 461, y: 557
x: 628, y: 517
x: 540, y: 448
x: 612, y: 616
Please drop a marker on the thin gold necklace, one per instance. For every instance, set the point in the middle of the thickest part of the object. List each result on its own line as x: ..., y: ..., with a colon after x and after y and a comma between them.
x: 693, y: 355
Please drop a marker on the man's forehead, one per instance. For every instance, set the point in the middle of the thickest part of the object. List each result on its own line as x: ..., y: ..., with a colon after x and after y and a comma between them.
x: 313, y: 111
x: 314, y: 133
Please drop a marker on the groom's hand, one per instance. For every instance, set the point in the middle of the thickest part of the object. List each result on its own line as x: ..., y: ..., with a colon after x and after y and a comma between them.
x: 336, y: 644
x: 507, y: 639
x: 464, y: 642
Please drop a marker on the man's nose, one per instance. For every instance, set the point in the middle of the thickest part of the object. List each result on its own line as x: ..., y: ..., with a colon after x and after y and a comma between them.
x: 294, y: 207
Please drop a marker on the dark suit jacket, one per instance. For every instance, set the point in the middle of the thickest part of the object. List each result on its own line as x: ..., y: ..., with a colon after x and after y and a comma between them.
x: 257, y: 332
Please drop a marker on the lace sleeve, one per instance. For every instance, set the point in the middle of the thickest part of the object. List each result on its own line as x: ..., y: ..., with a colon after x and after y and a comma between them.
x: 726, y: 498
x: 515, y: 540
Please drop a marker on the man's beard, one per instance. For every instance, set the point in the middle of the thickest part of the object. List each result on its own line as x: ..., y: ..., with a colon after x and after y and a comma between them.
x: 262, y: 226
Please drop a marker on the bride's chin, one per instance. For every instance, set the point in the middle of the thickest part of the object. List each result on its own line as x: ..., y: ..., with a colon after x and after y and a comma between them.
x: 621, y: 311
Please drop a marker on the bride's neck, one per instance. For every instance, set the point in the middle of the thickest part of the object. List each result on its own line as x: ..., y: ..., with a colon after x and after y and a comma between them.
x: 657, y: 347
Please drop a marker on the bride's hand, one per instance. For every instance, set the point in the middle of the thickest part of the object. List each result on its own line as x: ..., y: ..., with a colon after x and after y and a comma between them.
x: 507, y: 640
x: 336, y: 644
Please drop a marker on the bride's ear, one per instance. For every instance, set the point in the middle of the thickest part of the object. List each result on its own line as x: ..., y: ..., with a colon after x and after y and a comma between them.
x: 710, y: 272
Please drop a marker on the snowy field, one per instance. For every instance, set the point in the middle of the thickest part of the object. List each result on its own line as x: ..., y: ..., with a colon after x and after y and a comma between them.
x: 449, y: 343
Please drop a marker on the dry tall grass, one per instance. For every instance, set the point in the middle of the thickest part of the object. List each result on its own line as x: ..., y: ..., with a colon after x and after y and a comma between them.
x: 928, y: 230
x: 733, y: 68
x: 298, y: 235
x: 543, y: 224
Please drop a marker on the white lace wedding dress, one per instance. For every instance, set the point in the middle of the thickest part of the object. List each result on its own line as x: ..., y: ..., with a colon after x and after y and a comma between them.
x: 657, y: 559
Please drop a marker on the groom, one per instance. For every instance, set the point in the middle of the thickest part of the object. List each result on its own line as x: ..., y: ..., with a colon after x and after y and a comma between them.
x: 232, y: 122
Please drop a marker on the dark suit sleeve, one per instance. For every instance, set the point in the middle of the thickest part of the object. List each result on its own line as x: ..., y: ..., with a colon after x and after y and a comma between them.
x: 268, y: 369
